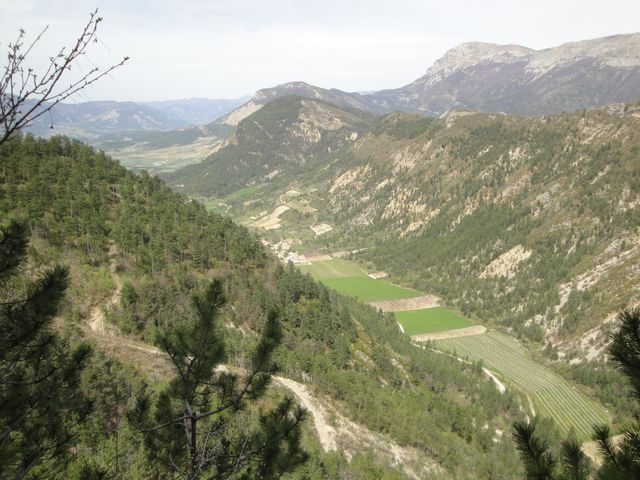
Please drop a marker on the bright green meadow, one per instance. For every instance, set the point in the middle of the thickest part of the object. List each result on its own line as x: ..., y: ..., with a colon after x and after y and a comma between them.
x: 349, y: 279
x: 429, y: 320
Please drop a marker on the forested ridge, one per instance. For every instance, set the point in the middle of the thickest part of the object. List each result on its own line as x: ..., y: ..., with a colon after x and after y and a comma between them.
x: 84, y: 210
x: 286, y: 137
x: 497, y: 204
x: 527, y: 224
x: 474, y: 207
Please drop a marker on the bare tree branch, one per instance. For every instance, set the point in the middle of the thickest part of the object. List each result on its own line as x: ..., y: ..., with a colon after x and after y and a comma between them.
x: 26, y: 95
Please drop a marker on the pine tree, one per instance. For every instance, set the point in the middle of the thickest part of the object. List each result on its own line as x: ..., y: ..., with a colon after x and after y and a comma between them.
x: 192, y: 426
x: 40, y: 398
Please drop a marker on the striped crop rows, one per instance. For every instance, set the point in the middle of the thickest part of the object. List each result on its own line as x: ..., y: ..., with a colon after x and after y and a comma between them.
x: 552, y: 396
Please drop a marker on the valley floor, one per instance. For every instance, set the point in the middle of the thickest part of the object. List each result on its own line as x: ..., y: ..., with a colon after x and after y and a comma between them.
x: 503, y: 356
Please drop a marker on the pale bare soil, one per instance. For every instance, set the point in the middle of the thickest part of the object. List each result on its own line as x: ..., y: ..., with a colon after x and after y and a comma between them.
x: 592, y: 451
x: 96, y: 320
x: 321, y: 228
x: 405, y: 304
x: 317, y: 257
x: 272, y: 220
x: 378, y: 275
x: 460, y: 332
x: 346, y: 436
x: 506, y: 265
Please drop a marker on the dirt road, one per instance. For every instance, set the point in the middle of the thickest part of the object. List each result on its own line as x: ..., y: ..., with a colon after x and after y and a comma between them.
x: 335, y: 431
x: 96, y: 319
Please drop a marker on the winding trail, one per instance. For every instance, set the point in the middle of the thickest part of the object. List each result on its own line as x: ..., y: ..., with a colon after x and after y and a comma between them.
x: 335, y: 431
x: 96, y: 320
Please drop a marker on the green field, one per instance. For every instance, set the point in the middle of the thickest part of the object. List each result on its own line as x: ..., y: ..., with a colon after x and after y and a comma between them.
x: 349, y: 279
x: 428, y: 320
x: 552, y: 396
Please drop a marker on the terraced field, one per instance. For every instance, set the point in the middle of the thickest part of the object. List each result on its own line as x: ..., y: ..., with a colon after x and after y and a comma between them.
x: 551, y: 395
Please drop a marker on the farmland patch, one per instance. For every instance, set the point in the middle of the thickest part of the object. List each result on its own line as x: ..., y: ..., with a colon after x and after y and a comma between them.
x: 436, y: 319
x: 552, y: 396
x: 347, y: 278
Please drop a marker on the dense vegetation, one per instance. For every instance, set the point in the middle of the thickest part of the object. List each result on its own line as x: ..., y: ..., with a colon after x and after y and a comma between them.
x: 111, y: 226
x: 288, y: 135
x: 529, y: 224
x: 487, y: 185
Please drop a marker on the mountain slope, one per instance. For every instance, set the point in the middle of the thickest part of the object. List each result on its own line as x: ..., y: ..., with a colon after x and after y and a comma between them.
x: 129, y: 233
x: 89, y: 120
x: 479, y: 207
x: 301, y: 89
x: 519, y: 80
x: 288, y: 134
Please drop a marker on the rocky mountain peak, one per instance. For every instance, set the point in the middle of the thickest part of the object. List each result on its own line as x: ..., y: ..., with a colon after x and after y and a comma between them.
x: 618, y: 51
x: 289, y: 88
x: 520, y: 80
x: 472, y: 53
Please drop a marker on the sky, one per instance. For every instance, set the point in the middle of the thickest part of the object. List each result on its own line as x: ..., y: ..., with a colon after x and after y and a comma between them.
x: 232, y: 48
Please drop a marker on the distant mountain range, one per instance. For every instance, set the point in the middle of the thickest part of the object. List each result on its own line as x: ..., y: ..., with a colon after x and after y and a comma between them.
x: 196, y: 111
x: 496, y: 79
x: 519, y: 80
x: 89, y: 120
x: 473, y: 76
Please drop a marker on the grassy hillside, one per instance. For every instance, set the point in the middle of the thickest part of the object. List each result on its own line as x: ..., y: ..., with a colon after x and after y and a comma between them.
x: 130, y: 233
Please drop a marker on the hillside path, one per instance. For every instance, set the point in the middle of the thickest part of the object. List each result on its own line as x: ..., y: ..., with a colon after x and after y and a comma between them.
x: 335, y: 431
x: 96, y: 320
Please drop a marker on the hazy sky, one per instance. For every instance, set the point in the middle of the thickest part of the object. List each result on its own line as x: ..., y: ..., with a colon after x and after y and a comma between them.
x: 224, y: 49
